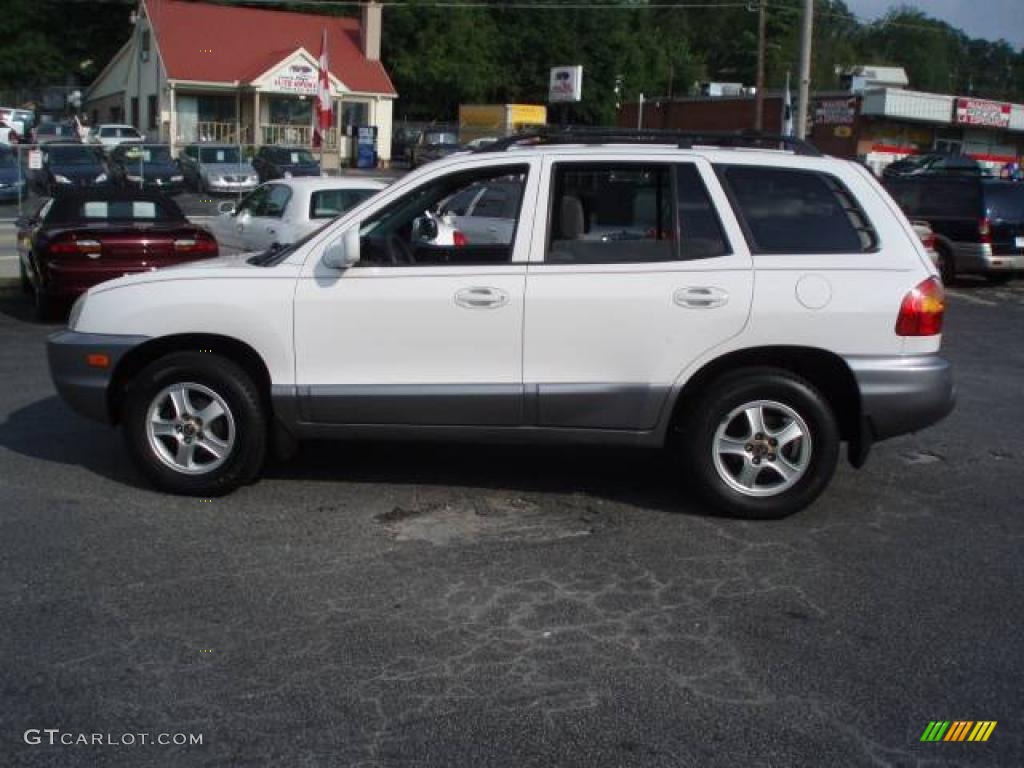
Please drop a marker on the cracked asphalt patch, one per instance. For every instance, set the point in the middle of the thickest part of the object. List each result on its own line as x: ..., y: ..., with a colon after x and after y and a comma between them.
x: 444, y: 605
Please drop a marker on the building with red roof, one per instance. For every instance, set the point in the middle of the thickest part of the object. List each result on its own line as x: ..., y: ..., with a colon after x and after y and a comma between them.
x: 194, y: 72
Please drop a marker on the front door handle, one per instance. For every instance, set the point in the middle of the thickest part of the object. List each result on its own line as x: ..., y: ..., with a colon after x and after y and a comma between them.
x: 481, y: 297
x: 700, y: 297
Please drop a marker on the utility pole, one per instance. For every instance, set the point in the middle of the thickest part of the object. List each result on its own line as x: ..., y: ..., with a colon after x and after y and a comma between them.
x: 759, y: 85
x: 806, y: 34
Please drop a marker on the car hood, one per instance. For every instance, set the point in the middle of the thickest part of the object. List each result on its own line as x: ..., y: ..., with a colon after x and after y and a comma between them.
x: 77, y: 171
x: 152, y: 170
x: 231, y: 169
x: 232, y: 266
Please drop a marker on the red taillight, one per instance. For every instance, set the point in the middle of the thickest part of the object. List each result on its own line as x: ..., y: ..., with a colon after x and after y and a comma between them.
x: 985, y: 231
x: 75, y: 246
x: 459, y: 239
x: 922, y: 309
x: 200, y: 245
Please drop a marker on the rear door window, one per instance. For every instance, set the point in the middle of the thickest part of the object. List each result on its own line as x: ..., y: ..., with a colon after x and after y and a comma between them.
x: 329, y: 203
x: 1005, y: 202
x: 784, y: 210
x: 612, y: 213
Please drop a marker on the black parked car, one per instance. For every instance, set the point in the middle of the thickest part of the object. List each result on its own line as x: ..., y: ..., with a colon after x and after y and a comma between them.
x: 146, y: 166
x: 284, y: 163
x: 434, y: 144
x: 934, y: 162
x: 61, y: 132
x: 978, y: 222
x: 71, y: 166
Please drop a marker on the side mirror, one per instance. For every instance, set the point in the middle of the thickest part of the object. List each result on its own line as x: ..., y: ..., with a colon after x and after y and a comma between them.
x: 226, y: 206
x: 343, y: 252
x: 426, y: 227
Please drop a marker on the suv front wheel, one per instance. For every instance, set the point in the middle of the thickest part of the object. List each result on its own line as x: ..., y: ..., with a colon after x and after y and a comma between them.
x: 761, y: 443
x: 195, y: 425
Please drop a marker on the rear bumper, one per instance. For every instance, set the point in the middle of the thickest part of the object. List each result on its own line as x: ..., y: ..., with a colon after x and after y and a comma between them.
x: 82, y: 387
x: 68, y: 282
x: 979, y: 257
x: 902, y: 394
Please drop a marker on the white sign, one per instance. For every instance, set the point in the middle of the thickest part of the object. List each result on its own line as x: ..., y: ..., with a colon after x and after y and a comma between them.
x: 566, y: 84
x: 295, y: 78
x: 35, y: 160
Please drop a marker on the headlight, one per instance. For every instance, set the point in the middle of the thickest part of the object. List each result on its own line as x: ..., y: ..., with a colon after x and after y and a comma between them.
x: 61, y: 179
x: 76, y: 311
x: 133, y: 178
x: 101, y: 178
x: 179, y: 177
x: 287, y: 174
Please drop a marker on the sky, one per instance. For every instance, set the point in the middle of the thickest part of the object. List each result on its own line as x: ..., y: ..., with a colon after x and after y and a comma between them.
x: 990, y: 19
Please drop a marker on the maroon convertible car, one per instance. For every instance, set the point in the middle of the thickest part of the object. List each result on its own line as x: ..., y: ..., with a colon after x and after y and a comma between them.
x: 79, y: 239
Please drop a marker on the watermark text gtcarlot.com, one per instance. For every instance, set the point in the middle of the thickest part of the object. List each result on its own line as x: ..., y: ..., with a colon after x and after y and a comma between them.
x: 55, y: 737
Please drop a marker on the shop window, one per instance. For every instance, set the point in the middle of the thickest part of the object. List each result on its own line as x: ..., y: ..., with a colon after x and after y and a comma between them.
x: 152, y: 109
x: 135, y: 112
x: 355, y: 113
x: 145, y: 45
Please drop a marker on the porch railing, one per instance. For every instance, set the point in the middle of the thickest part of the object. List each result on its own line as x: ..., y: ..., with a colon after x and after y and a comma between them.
x: 297, y: 135
x: 221, y: 133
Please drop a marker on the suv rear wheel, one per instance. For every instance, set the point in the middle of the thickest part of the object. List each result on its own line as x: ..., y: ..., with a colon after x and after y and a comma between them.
x: 195, y: 425
x: 762, y: 443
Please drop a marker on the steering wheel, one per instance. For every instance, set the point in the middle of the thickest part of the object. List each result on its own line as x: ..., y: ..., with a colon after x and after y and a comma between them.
x: 399, y: 251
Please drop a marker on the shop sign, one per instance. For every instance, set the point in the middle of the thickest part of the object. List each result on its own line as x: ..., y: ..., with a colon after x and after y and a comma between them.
x: 835, y: 111
x: 295, y: 78
x: 566, y: 84
x: 981, y: 112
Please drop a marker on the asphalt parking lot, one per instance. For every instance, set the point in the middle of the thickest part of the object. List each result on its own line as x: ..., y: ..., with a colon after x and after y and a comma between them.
x: 463, y: 606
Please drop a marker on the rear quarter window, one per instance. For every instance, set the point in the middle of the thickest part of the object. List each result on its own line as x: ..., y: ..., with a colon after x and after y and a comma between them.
x: 787, y: 211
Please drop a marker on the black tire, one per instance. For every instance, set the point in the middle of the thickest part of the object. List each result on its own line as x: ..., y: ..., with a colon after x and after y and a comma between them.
x: 699, y: 440
x: 947, y: 267
x: 242, y: 462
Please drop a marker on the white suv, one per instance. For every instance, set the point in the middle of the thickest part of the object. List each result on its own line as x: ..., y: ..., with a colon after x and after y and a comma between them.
x: 748, y: 308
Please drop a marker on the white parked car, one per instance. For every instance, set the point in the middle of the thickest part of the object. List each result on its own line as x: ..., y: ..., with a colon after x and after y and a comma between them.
x: 110, y: 135
x: 283, y: 211
x: 748, y: 309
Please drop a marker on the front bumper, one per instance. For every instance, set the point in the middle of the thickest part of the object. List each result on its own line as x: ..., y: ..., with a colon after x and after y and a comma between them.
x: 902, y: 394
x: 228, y: 187
x: 83, y: 387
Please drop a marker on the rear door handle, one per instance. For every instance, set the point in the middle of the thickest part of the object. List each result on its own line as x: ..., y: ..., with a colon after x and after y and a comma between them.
x: 481, y: 297
x: 700, y: 297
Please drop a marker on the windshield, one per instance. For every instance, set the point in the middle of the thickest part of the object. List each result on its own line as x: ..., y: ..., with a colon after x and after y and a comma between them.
x: 53, y: 129
x: 219, y: 155
x: 1005, y: 201
x: 298, y: 157
x: 147, y: 155
x: 72, y: 156
x: 442, y: 138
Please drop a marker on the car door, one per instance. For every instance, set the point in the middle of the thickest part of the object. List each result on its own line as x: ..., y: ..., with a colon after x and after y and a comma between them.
x: 264, y: 226
x: 412, y: 336
x: 230, y: 228
x: 634, y: 278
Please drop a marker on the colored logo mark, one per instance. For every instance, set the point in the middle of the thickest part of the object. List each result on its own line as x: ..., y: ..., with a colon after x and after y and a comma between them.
x: 958, y: 730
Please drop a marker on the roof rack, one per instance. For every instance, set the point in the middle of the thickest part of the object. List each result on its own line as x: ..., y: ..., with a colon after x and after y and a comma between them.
x: 682, y: 139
